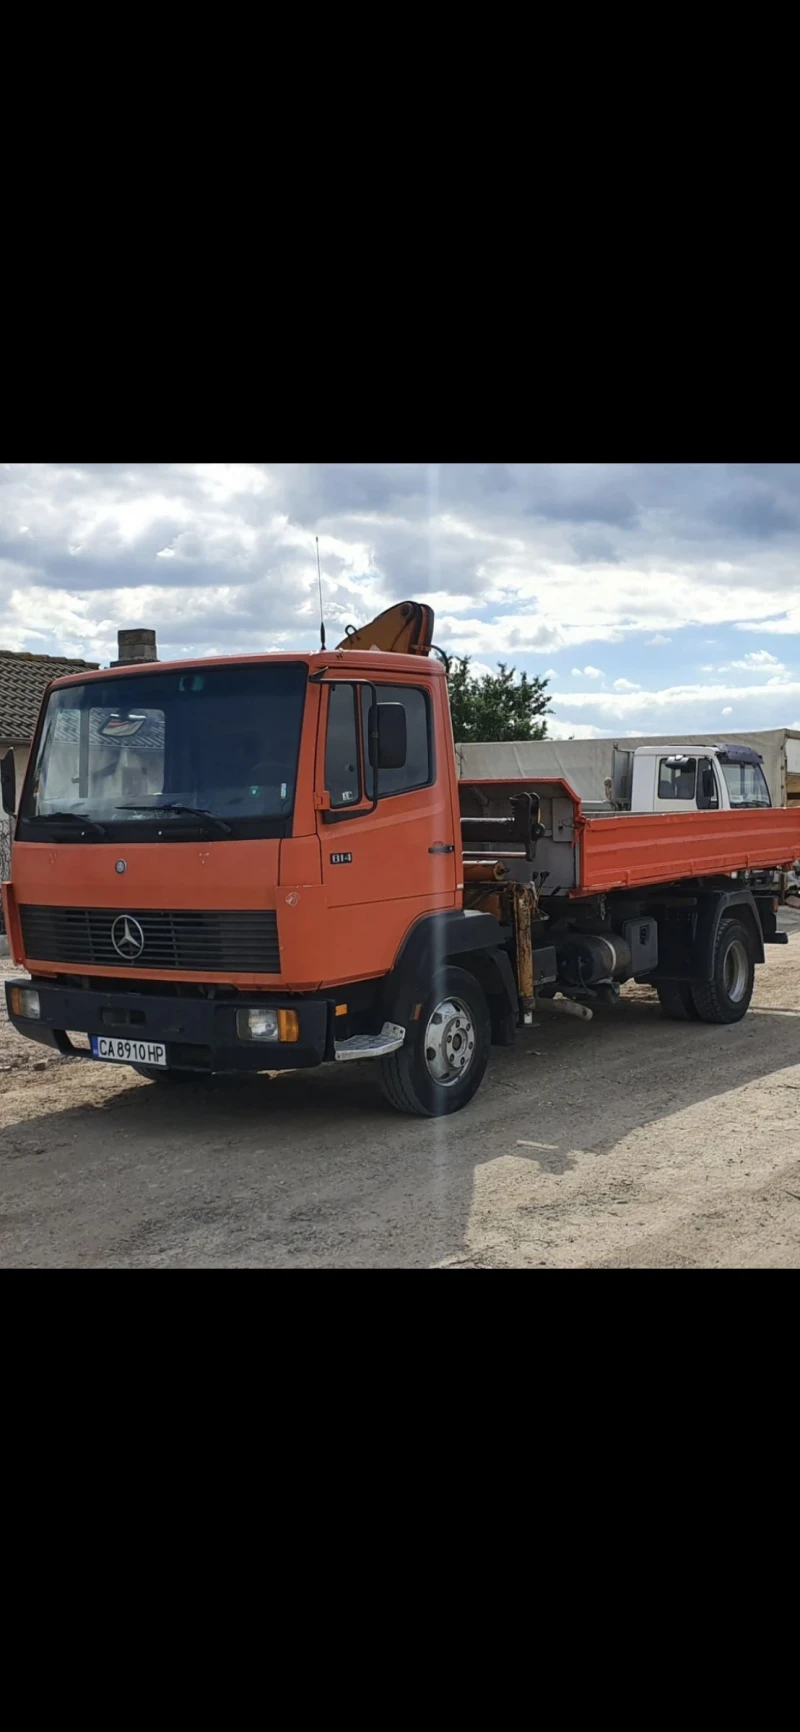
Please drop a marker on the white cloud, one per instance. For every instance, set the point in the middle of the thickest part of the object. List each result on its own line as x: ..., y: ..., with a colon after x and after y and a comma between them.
x: 728, y: 711
x: 625, y: 686
x: 520, y: 560
x: 671, y: 700
x: 225, y: 481
x: 561, y: 730
x: 787, y: 624
x: 756, y: 661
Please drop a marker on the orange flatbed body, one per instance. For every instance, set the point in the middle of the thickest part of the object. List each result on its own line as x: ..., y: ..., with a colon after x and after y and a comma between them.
x: 634, y: 849
x: 629, y: 850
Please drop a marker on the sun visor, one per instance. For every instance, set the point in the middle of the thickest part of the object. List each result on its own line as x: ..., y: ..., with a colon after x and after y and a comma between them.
x: 739, y: 755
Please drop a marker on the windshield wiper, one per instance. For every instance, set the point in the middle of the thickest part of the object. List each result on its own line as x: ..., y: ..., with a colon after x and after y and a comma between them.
x: 90, y: 825
x: 190, y: 811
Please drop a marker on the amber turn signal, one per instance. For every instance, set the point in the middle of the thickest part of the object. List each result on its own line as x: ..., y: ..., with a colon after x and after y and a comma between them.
x: 288, y: 1025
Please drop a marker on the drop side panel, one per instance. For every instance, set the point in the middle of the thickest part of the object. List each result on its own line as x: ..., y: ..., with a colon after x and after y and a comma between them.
x: 651, y: 848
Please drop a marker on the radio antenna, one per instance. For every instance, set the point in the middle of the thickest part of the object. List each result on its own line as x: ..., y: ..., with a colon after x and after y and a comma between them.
x: 321, y: 619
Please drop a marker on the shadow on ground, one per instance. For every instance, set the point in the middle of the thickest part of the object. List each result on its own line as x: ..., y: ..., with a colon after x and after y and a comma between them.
x: 314, y: 1169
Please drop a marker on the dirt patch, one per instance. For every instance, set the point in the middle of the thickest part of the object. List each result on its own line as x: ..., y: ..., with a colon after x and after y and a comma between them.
x: 629, y: 1142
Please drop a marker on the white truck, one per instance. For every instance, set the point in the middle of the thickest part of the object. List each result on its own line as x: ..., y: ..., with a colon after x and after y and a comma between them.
x: 586, y: 764
x: 683, y: 778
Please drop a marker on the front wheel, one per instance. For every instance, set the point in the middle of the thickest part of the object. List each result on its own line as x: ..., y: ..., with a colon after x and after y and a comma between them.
x: 446, y: 1049
x: 726, y: 997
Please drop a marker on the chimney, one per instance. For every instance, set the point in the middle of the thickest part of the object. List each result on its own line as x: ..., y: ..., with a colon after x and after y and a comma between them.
x: 135, y: 646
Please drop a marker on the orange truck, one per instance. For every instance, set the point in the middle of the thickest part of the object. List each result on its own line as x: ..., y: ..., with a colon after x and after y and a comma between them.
x: 268, y: 862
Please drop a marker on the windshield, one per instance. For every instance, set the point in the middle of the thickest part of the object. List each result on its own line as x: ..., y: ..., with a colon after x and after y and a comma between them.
x: 746, y: 784
x: 221, y: 740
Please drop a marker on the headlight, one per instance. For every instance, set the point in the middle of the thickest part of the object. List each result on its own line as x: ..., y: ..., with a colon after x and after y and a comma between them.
x: 257, y: 1024
x: 267, y: 1025
x: 25, y: 1001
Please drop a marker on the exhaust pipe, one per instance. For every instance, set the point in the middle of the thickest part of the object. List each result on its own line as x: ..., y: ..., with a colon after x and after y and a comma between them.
x: 565, y: 1007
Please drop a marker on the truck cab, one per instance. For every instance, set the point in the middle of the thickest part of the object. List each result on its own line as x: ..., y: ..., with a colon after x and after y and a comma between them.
x: 268, y: 862
x: 685, y: 778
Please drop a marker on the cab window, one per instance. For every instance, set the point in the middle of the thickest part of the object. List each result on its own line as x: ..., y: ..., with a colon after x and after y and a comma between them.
x: 747, y: 785
x: 707, y: 790
x: 342, y: 773
x: 417, y: 771
x: 677, y: 778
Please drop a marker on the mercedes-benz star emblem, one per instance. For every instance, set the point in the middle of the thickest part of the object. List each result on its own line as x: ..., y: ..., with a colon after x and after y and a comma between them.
x: 121, y: 866
x: 127, y: 937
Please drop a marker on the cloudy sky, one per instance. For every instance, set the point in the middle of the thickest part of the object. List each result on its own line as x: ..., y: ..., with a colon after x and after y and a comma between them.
x: 654, y: 596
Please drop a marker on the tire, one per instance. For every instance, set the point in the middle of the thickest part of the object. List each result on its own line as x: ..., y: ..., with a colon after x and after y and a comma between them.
x: 675, y: 998
x: 503, y: 1023
x: 726, y: 997
x: 434, y: 1072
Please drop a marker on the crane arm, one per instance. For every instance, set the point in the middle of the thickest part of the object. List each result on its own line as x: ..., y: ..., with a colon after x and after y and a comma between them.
x: 405, y: 629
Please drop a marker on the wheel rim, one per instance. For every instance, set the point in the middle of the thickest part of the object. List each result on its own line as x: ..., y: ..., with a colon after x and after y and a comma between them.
x: 736, y: 971
x: 449, y: 1042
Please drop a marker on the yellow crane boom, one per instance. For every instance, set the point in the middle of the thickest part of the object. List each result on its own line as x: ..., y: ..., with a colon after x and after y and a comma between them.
x: 405, y: 629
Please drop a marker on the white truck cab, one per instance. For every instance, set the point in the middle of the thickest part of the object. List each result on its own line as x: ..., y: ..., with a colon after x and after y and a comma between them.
x: 687, y: 778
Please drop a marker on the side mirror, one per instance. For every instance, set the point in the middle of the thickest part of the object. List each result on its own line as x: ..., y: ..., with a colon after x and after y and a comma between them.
x: 8, y: 782
x: 388, y: 738
x: 708, y: 784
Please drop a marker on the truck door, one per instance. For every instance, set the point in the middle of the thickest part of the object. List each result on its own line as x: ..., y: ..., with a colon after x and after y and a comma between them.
x: 709, y: 787
x: 676, y: 783
x: 382, y: 866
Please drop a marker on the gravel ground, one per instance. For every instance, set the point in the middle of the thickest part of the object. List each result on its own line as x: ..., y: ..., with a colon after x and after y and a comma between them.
x: 629, y: 1142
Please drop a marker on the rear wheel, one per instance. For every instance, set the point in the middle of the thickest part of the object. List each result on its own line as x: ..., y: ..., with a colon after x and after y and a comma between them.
x: 675, y: 998
x: 446, y: 1049
x: 726, y: 997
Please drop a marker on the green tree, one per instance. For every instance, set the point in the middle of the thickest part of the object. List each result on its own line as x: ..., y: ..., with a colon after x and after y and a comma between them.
x: 495, y: 706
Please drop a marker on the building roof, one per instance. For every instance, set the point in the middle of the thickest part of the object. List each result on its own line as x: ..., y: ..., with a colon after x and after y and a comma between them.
x: 23, y: 679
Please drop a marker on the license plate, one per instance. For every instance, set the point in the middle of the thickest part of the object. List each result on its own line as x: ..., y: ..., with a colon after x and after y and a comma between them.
x: 116, y: 1050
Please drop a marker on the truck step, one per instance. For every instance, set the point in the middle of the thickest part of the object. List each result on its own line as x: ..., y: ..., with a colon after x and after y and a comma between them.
x: 390, y: 1038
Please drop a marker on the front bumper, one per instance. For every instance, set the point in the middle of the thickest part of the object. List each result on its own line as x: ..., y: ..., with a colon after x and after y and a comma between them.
x: 199, y: 1034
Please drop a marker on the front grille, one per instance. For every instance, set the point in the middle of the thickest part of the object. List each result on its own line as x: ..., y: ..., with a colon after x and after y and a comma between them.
x: 205, y: 941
